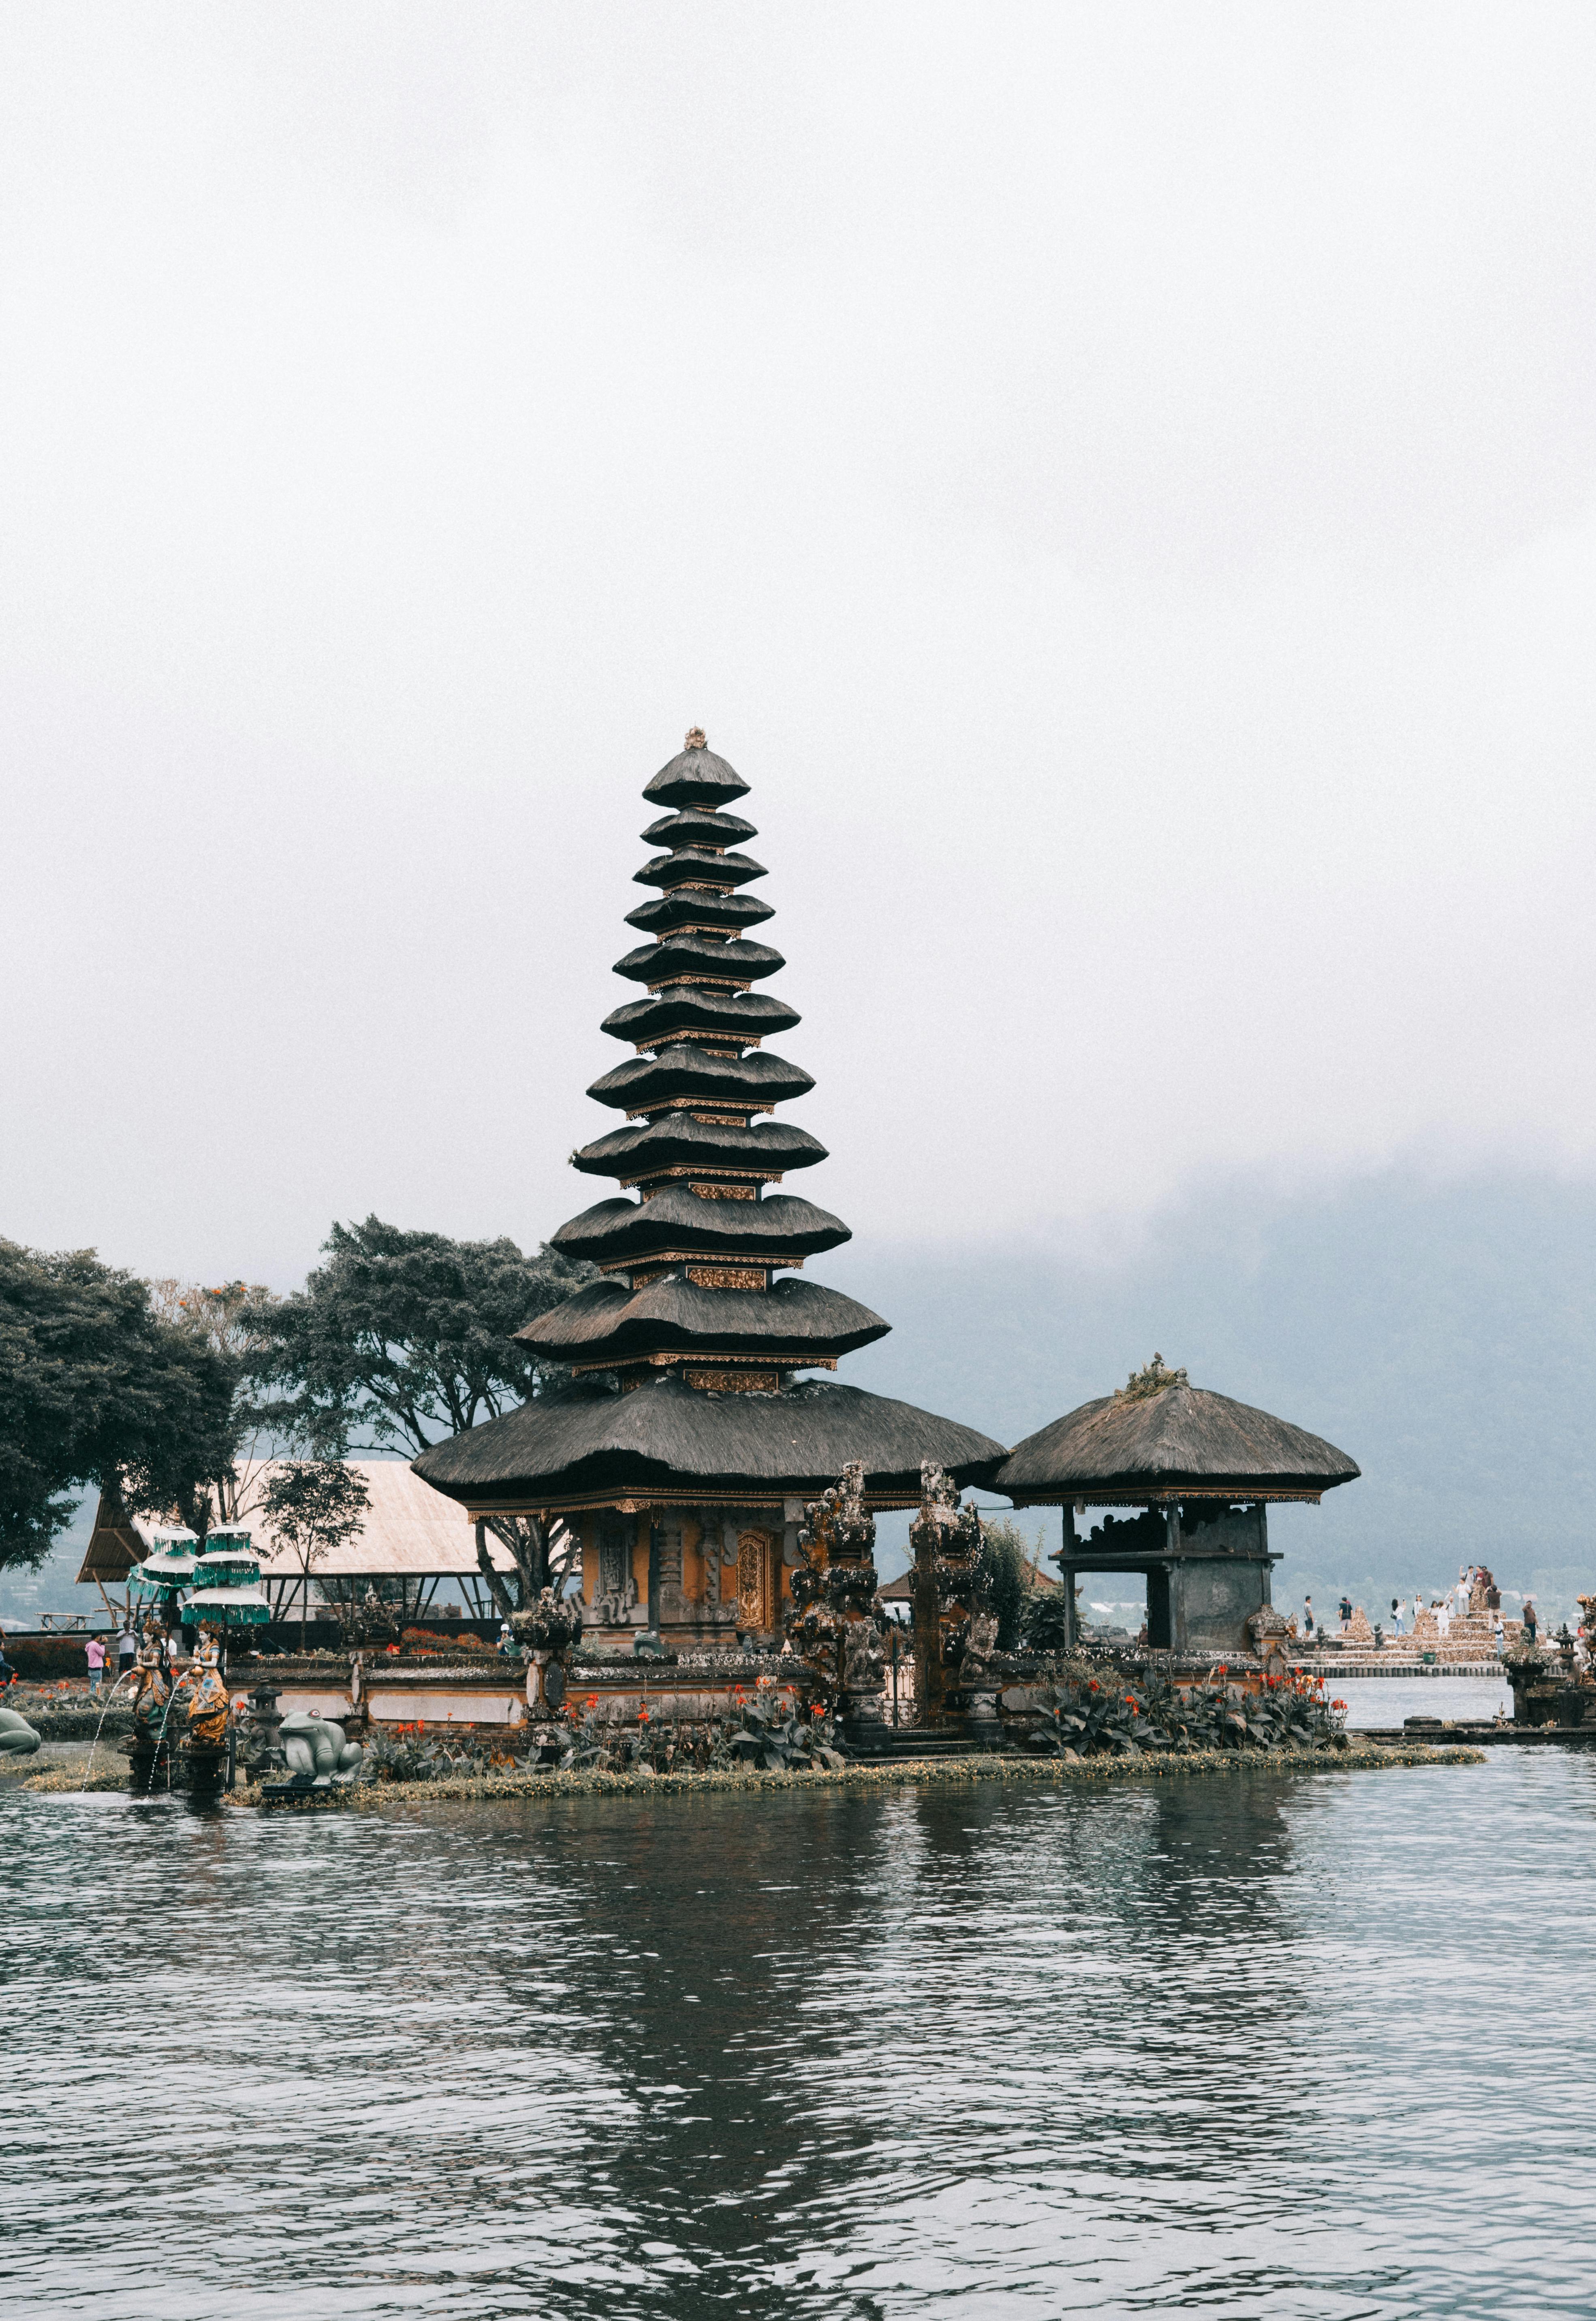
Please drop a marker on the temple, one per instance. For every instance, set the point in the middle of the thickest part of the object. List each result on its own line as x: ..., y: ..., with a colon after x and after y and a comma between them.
x: 690, y: 1437
x: 1201, y: 1471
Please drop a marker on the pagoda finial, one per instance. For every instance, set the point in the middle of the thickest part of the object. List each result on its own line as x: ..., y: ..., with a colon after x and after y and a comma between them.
x: 697, y: 739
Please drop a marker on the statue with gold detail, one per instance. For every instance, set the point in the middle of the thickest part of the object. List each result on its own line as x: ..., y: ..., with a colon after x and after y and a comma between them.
x: 208, y: 1701
x: 148, y: 1687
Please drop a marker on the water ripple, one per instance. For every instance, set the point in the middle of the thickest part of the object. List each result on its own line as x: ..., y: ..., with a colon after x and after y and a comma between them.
x: 1256, y: 2046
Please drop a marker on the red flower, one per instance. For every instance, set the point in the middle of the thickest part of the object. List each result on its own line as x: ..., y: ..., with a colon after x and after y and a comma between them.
x: 643, y: 1716
x: 1092, y: 1685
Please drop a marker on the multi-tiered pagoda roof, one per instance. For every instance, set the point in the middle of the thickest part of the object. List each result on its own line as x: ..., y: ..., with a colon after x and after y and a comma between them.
x: 700, y: 1311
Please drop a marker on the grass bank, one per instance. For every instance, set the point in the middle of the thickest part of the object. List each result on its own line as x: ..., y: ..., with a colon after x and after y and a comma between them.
x: 910, y: 1772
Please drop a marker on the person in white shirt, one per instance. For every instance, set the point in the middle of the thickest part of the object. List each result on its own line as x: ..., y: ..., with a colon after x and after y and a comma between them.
x: 1464, y: 1586
x: 1396, y: 1611
x: 1444, y: 1618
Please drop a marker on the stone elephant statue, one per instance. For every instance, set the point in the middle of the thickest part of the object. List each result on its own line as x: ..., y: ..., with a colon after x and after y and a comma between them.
x: 17, y: 1736
x: 316, y: 1745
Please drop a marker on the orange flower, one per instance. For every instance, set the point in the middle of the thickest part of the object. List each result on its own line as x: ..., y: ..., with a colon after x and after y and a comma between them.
x: 643, y: 1718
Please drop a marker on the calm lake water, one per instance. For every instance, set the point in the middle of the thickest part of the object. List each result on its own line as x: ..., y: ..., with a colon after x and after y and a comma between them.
x: 1264, y: 2044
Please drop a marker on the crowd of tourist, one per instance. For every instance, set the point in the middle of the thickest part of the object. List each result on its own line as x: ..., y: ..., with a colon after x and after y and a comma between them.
x: 1475, y: 1595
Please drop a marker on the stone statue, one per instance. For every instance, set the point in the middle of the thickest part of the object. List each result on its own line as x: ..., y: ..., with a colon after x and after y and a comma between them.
x: 316, y: 1745
x: 1267, y: 1632
x: 17, y: 1736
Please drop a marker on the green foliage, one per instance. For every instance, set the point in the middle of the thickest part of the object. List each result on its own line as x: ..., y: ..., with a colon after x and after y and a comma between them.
x: 759, y: 1734
x: 1092, y: 1710
x: 409, y: 1753
x: 1043, y: 1622
x: 97, y: 1389
x: 313, y: 1506
x: 1006, y: 1576
x: 404, y: 1338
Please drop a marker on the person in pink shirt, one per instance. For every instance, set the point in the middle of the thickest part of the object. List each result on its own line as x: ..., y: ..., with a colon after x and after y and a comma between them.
x: 95, y: 1650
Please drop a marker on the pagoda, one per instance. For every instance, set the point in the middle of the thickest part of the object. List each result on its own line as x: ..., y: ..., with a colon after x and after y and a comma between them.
x: 690, y: 1437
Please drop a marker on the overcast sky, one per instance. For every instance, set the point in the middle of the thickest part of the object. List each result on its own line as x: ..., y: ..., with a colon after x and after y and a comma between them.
x: 1117, y: 481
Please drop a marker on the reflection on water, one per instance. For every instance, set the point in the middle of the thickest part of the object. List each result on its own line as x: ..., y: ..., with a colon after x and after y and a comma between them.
x: 1246, y: 2045
x: 1377, y: 1700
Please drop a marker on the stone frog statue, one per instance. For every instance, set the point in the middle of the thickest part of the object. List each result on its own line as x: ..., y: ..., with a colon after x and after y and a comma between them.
x: 316, y: 1745
x: 17, y: 1736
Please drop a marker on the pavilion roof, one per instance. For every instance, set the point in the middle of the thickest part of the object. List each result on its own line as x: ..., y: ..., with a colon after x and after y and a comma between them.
x: 1132, y: 1446
x: 667, y: 1439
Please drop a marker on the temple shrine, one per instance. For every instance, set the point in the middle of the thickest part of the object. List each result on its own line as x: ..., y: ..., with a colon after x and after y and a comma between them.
x: 692, y: 1433
x: 1185, y: 1478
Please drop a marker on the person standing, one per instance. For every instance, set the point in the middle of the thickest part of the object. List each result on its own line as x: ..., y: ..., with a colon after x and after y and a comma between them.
x: 1345, y: 1613
x: 1444, y: 1618
x: 95, y: 1650
x: 127, y: 1651
x: 1308, y: 1615
x: 1398, y: 1624
x: 1529, y: 1621
x: 1463, y: 1593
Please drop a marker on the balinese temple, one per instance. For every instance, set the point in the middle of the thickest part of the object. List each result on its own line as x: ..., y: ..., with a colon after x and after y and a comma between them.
x: 695, y: 1427
x: 1201, y: 1472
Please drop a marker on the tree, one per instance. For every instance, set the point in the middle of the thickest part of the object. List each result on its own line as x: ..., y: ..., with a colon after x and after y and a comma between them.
x: 403, y: 1338
x: 1008, y: 1581
x: 229, y: 1319
x: 313, y: 1506
x: 97, y: 1389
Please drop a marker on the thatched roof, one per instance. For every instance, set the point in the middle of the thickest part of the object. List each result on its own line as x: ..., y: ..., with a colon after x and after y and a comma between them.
x: 697, y: 825
x: 1129, y: 1447
x: 686, y: 908
x: 409, y: 1530
x: 696, y: 777
x: 669, y: 1440
x: 790, y: 1324
x: 679, y: 1141
x: 677, y: 1223
x: 745, y: 1016
x: 699, y: 959
x: 699, y: 865
x: 684, y: 1069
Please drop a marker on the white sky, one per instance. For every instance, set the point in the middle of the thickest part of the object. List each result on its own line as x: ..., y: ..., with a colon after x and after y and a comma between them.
x: 1118, y: 482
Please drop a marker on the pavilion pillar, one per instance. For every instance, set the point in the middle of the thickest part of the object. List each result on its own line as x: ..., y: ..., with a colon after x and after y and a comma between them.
x: 1066, y: 1574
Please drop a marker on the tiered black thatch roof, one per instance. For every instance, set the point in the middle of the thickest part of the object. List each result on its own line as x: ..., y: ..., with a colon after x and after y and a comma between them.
x: 699, y: 1283
x: 689, y: 1318
x: 1157, y: 1441
x: 669, y: 1440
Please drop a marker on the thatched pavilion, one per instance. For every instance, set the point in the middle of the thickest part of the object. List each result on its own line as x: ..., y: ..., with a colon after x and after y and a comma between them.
x: 1201, y: 1471
x: 690, y: 1437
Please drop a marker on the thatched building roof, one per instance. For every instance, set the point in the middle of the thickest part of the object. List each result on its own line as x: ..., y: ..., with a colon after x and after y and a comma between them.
x: 670, y: 1440
x: 1160, y: 1438
x: 690, y: 1317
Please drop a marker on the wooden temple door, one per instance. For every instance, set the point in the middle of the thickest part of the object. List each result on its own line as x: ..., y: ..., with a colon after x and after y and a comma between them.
x: 756, y: 1581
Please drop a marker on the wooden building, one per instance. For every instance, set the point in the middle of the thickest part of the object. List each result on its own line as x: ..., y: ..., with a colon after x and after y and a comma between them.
x: 1200, y: 1472
x: 692, y: 1433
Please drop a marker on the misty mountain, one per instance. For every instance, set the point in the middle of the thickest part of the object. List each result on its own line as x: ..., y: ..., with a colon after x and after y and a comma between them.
x: 1444, y: 1335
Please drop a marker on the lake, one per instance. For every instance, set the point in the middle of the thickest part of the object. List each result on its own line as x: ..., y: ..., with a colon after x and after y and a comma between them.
x: 1258, y: 2045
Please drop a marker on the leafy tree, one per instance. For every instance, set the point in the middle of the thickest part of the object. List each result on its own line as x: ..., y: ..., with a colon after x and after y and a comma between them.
x: 313, y: 1506
x: 1007, y: 1577
x: 229, y: 1319
x: 401, y: 1339
x: 97, y: 1389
